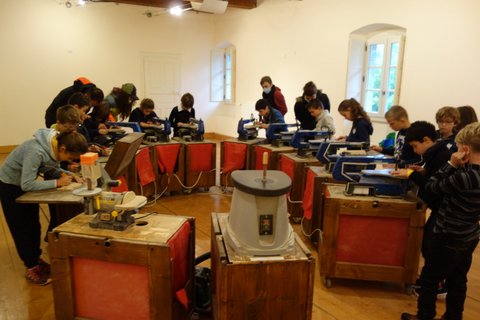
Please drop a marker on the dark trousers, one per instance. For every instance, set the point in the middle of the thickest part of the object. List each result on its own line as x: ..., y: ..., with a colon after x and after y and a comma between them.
x: 450, y: 260
x: 24, y: 223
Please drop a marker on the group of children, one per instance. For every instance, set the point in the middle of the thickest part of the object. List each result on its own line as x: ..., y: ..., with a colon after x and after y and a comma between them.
x: 53, y: 151
x: 443, y: 163
x: 445, y: 166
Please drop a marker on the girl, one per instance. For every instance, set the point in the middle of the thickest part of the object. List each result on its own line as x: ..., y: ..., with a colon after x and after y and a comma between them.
x: 19, y: 175
x: 362, y: 128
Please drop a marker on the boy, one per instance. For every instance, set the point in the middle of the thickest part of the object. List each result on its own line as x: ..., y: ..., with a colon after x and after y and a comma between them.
x: 180, y: 117
x: 310, y: 92
x: 144, y: 115
x: 456, y: 231
x: 397, y: 119
x: 273, y: 95
x: 323, y: 119
x: 18, y: 175
x: 68, y: 119
x: 447, y: 120
x: 269, y: 115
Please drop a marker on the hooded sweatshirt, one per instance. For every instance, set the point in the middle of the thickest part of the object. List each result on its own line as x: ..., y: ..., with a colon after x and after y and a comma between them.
x: 28, y: 160
x: 324, y: 121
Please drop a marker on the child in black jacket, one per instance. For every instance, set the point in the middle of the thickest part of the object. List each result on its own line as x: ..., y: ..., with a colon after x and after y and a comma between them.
x: 456, y: 231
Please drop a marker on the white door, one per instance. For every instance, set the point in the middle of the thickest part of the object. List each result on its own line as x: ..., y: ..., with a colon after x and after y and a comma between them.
x: 162, y: 81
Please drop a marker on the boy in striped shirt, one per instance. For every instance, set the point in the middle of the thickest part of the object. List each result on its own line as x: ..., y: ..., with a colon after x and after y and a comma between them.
x: 456, y: 232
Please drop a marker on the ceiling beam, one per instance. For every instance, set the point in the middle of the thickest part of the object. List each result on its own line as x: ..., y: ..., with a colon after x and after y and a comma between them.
x: 244, y: 4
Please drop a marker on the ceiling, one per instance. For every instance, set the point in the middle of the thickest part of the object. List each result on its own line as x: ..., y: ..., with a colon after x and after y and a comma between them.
x: 245, y: 4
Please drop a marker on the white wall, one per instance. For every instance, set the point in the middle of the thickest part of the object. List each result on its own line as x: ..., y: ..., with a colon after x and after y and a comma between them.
x: 45, y: 46
x: 298, y: 41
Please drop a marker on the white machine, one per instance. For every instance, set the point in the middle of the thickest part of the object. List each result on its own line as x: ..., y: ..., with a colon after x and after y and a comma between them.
x: 258, y: 220
x: 113, y: 209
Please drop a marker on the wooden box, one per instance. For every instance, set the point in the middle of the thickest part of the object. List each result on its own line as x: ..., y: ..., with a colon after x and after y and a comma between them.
x: 294, y: 166
x: 233, y: 159
x: 261, y: 287
x: 144, y: 272
x: 173, y: 180
x: 316, y: 181
x: 200, y: 164
x: 370, y: 238
x: 273, y: 156
x: 149, y: 172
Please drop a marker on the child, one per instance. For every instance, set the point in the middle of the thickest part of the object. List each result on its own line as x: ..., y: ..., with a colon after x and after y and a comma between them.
x: 467, y: 116
x: 181, y: 118
x: 96, y: 124
x: 310, y: 92
x: 273, y: 95
x: 19, y: 175
x: 145, y: 114
x: 456, y: 231
x: 121, y: 101
x: 397, y: 119
x: 323, y: 119
x: 82, y: 104
x: 447, y: 119
x: 68, y: 119
x: 362, y: 128
x: 269, y: 115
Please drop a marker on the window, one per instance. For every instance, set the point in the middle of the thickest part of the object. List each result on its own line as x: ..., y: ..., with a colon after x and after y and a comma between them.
x: 382, y: 74
x: 223, y: 74
x: 375, y: 67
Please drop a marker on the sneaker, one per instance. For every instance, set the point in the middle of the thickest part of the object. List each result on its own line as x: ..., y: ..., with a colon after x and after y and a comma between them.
x: 37, y: 275
x: 44, y: 266
x: 442, y: 290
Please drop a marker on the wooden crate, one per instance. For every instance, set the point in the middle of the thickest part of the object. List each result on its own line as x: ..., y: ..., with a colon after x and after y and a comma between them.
x: 170, y: 182
x: 273, y: 156
x: 133, y: 179
x: 294, y: 167
x: 131, y: 274
x: 261, y: 288
x: 370, y: 238
x: 204, y: 178
x: 320, y: 180
x: 225, y: 178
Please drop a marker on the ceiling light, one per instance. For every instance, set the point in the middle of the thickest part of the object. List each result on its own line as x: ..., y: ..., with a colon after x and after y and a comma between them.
x: 176, y: 11
x: 81, y: 2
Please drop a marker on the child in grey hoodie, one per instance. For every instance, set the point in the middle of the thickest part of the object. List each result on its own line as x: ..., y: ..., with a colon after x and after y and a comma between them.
x: 18, y: 175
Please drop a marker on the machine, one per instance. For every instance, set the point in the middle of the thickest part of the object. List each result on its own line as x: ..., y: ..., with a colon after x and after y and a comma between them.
x: 194, y: 131
x: 330, y: 151
x: 246, y: 129
x: 279, y: 135
x: 159, y: 132
x: 258, y: 220
x: 132, y: 125
x: 363, y: 179
x: 306, y: 141
x: 112, y: 210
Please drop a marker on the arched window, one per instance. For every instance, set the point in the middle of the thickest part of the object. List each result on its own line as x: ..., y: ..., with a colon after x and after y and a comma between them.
x: 375, y: 67
x: 222, y: 86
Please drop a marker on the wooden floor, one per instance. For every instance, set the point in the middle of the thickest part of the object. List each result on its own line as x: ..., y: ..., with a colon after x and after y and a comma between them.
x: 347, y: 299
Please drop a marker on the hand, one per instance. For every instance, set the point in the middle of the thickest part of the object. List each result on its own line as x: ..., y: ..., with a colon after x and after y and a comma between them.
x: 401, y: 173
x: 459, y: 158
x: 341, y: 138
x: 77, y: 178
x: 102, y: 126
x: 73, y: 167
x: 64, y: 180
x: 417, y: 168
x: 263, y: 125
x: 376, y: 148
x: 103, y: 131
x: 93, y: 148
